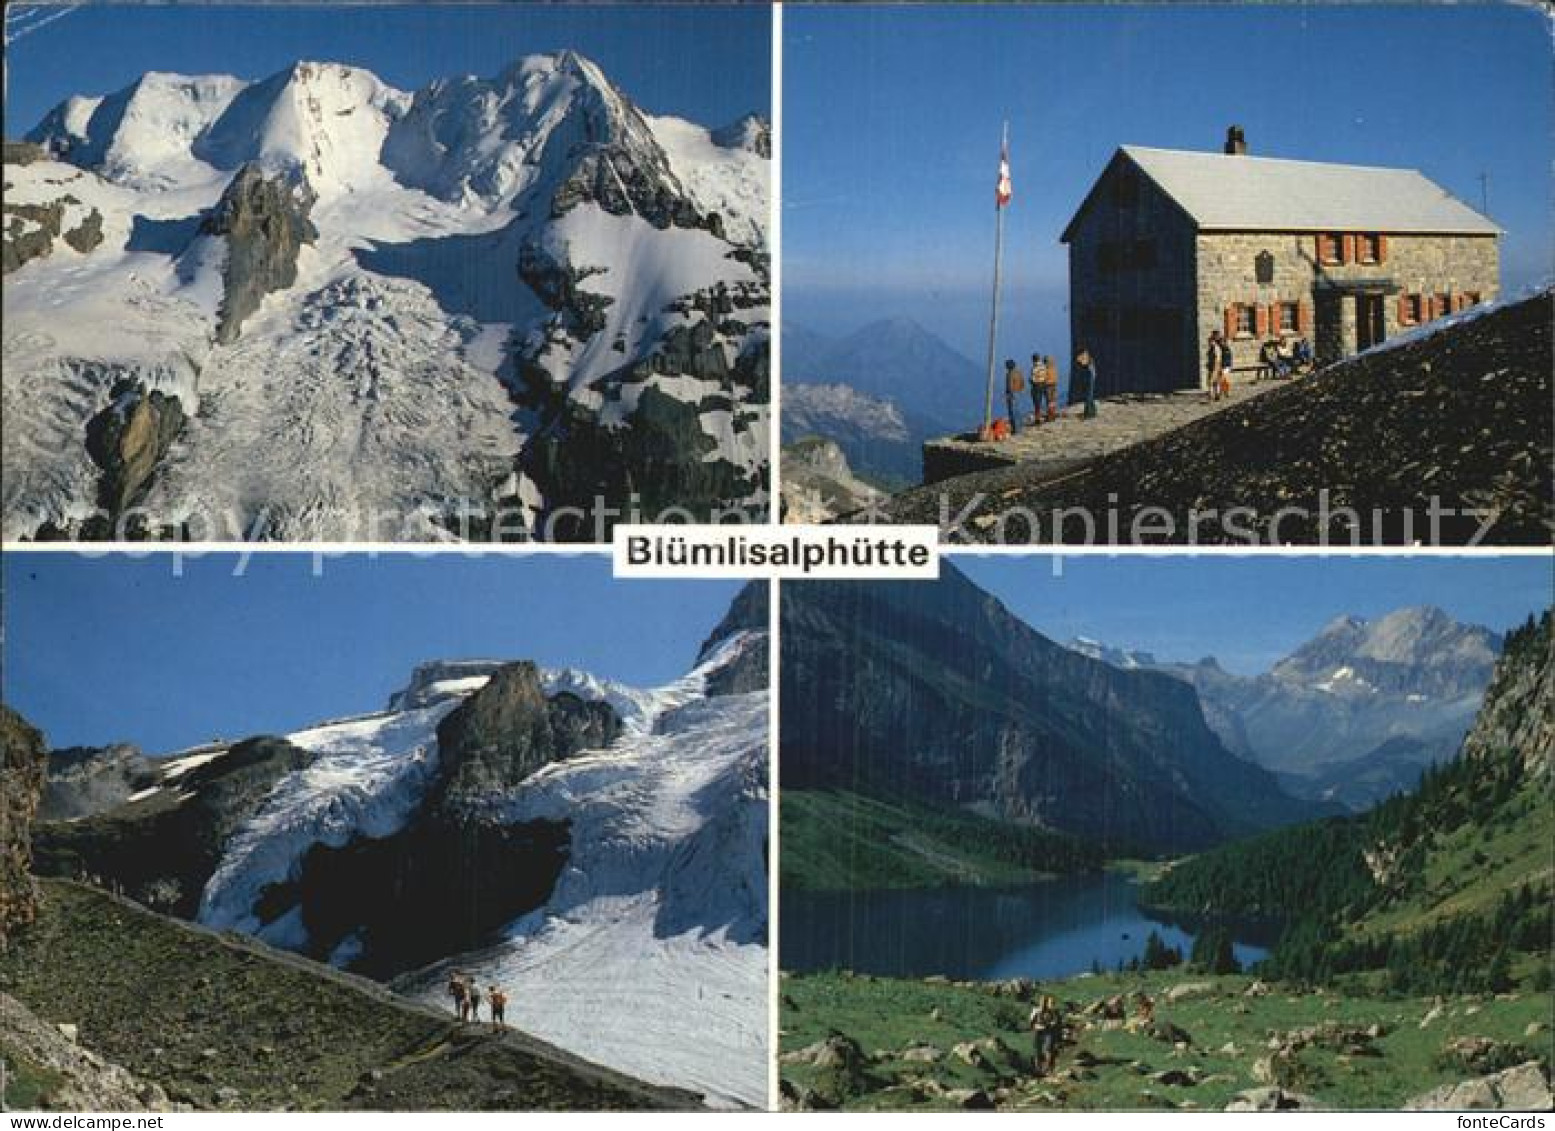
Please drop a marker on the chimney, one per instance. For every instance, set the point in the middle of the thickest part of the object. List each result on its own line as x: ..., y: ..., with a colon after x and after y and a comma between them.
x: 1236, y: 143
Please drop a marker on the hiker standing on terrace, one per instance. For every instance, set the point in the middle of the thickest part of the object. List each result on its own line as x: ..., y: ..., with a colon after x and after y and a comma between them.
x: 1038, y: 388
x: 1082, y: 382
x: 499, y: 1007
x: 1050, y: 386
x: 1014, y: 385
x: 460, y: 993
x: 1213, y: 360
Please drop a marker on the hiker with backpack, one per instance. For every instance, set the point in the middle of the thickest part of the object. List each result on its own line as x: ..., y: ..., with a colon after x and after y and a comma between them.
x: 1213, y: 359
x: 1014, y: 385
x: 1050, y: 386
x: 499, y: 1007
x: 1082, y: 382
x: 460, y: 993
x: 1047, y: 1027
x: 1038, y: 388
x: 475, y: 1001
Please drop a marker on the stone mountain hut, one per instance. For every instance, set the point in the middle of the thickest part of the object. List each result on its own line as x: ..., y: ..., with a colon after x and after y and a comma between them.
x: 1169, y: 245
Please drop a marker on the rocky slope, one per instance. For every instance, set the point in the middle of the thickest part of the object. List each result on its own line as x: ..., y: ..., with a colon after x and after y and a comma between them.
x: 22, y: 755
x: 935, y: 692
x: 454, y: 312
x: 818, y: 483
x: 46, y: 1069
x: 1357, y: 712
x: 1460, y: 414
x: 218, y: 1022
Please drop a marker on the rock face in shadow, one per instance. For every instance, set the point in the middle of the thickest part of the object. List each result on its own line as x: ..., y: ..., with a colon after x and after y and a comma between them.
x: 86, y: 780
x: 22, y: 761
x: 265, y: 222
x: 162, y: 850
x: 438, y: 887
x: 936, y: 692
x: 509, y: 729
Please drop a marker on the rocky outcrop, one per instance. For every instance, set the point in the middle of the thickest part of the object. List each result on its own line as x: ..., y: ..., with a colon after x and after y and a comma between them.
x: 509, y: 729
x: 127, y: 440
x: 161, y: 850
x: 30, y: 230
x: 818, y: 483
x: 86, y: 780
x: 935, y: 691
x: 265, y: 223
x: 73, y: 1078
x: 747, y: 670
x: 22, y: 761
x: 1523, y: 1088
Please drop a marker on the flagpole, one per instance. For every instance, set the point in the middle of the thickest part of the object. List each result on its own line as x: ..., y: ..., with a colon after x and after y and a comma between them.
x: 993, y: 320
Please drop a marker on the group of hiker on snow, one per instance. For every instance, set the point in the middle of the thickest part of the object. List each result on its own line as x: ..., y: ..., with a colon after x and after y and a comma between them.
x: 466, y: 993
x: 1043, y: 385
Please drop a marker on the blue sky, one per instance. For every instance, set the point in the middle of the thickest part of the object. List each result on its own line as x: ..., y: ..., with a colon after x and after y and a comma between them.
x: 892, y: 116
x: 106, y: 650
x: 1250, y: 611
x: 709, y: 64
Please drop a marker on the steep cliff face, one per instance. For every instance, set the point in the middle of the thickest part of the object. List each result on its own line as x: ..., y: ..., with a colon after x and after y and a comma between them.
x: 935, y: 691
x: 22, y: 760
x: 1517, y: 722
x: 264, y: 221
x: 509, y: 729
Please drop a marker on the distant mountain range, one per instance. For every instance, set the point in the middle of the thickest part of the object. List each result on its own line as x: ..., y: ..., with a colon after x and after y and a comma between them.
x: 936, y: 693
x: 878, y: 392
x: 1354, y: 714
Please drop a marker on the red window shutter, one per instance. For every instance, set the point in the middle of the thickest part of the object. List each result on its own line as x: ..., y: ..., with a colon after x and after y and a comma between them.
x: 1382, y: 248
x: 1231, y: 321
x: 1318, y: 244
x: 1403, y: 310
x: 1347, y: 248
x: 1304, y: 316
x: 1260, y: 320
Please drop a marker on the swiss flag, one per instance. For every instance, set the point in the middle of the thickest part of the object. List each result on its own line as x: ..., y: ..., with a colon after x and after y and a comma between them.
x: 1002, y: 190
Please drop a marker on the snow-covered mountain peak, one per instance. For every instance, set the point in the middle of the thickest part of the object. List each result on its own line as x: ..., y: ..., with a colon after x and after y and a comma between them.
x: 751, y: 132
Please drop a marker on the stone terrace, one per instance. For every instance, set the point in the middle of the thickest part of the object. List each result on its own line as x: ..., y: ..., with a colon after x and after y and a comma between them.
x: 1122, y: 421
